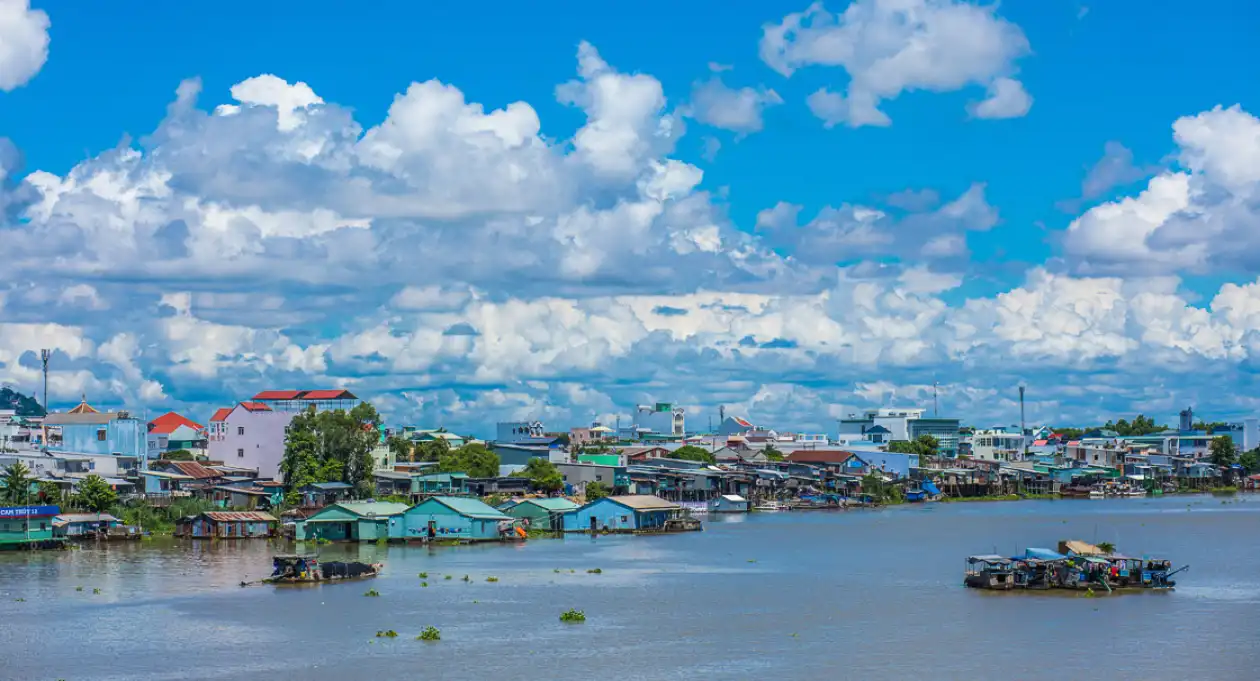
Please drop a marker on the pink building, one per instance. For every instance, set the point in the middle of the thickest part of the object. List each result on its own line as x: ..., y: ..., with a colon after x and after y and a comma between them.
x: 249, y: 435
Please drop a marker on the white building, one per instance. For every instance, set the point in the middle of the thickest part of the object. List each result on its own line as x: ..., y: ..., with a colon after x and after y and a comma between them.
x: 902, y: 424
x: 662, y: 418
x: 250, y: 435
x: 520, y: 433
x: 997, y: 445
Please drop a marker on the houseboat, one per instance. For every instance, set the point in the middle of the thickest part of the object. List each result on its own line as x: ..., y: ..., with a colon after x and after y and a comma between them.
x: 1075, y: 566
x: 306, y: 569
x: 989, y: 572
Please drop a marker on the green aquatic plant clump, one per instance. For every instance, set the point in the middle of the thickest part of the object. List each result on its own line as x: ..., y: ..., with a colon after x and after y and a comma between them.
x: 423, y: 575
x: 430, y: 634
x: 388, y: 633
x: 595, y: 571
x: 572, y: 616
x: 448, y: 577
x: 492, y: 579
x: 373, y: 593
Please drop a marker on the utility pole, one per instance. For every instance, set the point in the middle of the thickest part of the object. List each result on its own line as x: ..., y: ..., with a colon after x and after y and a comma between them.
x: 44, y: 355
x: 1022, y: 440
x: 935, y: 405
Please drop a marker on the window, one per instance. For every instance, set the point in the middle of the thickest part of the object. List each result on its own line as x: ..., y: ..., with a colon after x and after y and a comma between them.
x: 100, y: 435
x: 240, y: 453
x: 599, y: 478
x: 240, y: 430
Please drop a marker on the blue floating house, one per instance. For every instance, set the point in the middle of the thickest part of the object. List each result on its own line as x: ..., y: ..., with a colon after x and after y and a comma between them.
x: 353, y: 521
x: 628, y: 513
x: 545, y: 513
x: 457, y: 518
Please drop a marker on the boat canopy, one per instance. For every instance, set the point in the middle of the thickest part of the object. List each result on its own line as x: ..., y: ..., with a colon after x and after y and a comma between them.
x: 993, y: 558
x: 1043, y: 554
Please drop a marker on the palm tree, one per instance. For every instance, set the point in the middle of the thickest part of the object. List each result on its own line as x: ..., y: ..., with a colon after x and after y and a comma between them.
x: 1107, y: 547
x: 17, y: 483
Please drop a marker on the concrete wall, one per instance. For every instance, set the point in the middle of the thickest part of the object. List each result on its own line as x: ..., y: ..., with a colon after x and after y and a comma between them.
x: 259, y: 446
x: 125, y: 437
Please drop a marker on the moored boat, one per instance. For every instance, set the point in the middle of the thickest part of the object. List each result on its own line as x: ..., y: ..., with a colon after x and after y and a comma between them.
x: 771, y: 506
x: 1076, y: 565
x: 307, y: 569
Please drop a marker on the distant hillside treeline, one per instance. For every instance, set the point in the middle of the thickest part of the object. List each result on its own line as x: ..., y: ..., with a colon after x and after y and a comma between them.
x: 25, y: 406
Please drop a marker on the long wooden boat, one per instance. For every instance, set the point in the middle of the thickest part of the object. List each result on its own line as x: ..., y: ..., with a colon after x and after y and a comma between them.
x: 304, y: 569
x: 1075, y: 566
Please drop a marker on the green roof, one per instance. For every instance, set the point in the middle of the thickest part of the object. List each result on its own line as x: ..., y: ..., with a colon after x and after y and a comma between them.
x: 552, y: 503
x: 471, y: 508
x: 373, y: 508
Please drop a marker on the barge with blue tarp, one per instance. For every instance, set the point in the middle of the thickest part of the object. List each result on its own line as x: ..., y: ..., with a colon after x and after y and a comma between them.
x: 1074, y: 566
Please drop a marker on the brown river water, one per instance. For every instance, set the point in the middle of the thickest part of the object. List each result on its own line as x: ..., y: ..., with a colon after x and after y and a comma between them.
x: 866, y: 595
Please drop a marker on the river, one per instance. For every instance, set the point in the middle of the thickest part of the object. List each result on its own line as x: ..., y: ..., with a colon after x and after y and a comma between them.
x: 802, y: 595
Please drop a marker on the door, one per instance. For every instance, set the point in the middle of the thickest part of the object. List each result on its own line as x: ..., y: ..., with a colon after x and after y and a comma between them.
x: 594, y: 525
x: 432, y: 531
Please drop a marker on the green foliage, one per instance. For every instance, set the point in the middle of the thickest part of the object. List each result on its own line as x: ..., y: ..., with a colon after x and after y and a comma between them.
x: 492, y: 579
x: 543, y: 475
x: 1070, y: 433
x: 1141, y: 425
x: 881, y: 491
x: 772, y: 453
x: 1209, y: 428
x: 17, y: 483
x: 925, y: 445
x: 1107, y: 547
x: 573, y: 616
x: 400, y: 447
x: 372, y: 593
x: 330, y: 446
x: 382, y: 541
x: 424, y: 575
x: 23, y: 404
x: 1222, y: 452
x: 474, y: 459
x: 388, y: 633
x: 179, y: 455
x: 95, y: 495
x: 597, y: 490
x: 595, y: 571
x: 161, y: 520
x: 1250, y: 461
x: 50, y: 493
x: 693, y: 453
x: 430, y: 634
x: 431, y: 450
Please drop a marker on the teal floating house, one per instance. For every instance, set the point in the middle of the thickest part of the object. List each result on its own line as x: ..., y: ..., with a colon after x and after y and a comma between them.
x: 547, y: 514
x: 457, y: 518
x: 354, y: 521
x: 628, y: 513
x: 28, y: 527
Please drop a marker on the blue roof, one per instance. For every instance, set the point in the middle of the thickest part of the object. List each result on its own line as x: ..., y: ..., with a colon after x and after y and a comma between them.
x: 1043, y: 554
x: 470, y: 507
x: 331, y: 485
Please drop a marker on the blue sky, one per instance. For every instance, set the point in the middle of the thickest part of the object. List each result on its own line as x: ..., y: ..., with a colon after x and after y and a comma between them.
x: 840, y: 220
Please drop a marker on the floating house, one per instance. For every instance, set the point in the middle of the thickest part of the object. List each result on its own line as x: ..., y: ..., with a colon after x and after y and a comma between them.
x: 728, y: 503
x: 318, y: 494
x: 87, y: 525
x: 629, y: 513
x: 28, y: 527
x: 455, y: 518
x: 354, y: 521
x: 541, y: 513
x: 227, y: 525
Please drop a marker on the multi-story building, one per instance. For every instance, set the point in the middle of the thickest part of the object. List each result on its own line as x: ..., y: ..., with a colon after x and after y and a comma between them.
x: 998, y: 444
x: 250, y: 435
x: 88, y: 432
x: 662, y: 418
x: 521, y: 433
x: 172, y: 432
x: 903, y: 424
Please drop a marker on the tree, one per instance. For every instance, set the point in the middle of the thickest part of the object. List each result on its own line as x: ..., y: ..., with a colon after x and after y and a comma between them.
x: 330, y: 446
x: 694, y: 453
x: 431, y: 450
x: 179, y: 455
x: 543, y: 475
x: 1209, y: 428
x: 1250, y: 461
x: 95, y: 494
x: 474, y: 459
x: 17, y: 483
x: 772, y: 453
x: 925, y: 445
x: 49, y: 493
x: 881, y: 491
x: 1107, y: 547
x: 1222, y: 451
x: 1070, y: 433
x: 400, y: 447
x: 24, y: 405
x: 1141, y: 425
x: 597, y: 490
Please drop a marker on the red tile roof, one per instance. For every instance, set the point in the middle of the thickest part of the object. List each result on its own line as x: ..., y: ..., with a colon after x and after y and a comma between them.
x: 327, y: 395
x: 221, y: 414
x: 819, y: 456
x: 742, y: 422
x: 168, y: 422
x: 255, y: 406
x: 278, y: 395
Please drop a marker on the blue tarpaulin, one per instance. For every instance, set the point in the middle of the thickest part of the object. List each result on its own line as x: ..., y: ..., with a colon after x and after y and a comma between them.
x: 1043, y: 554
x: 930, y: 488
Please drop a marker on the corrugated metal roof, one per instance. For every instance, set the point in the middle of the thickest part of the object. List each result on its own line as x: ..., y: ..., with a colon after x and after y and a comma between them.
x: 221, y: 414
x: 278, y: 395
x: 168, y: 476
x: 238, y: 516
x: 192, y: 469
x: 644, y: 502
x: 327, y: 395
x: 255, y: 406
x: 74, y: 419
x: 471, y: 507
x: 373, y: 508
x: 86, y: 518
x: 553, y: 503
x: 331, y: 485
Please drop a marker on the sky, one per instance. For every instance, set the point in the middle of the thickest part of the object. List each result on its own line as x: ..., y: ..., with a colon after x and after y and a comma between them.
x: 554, y: 211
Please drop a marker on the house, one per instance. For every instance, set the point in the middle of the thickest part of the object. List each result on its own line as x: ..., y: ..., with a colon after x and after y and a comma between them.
x: 392, y: 483
x: 458, y: 518
x: 505, y: 484
x: 246, y: 497
x: 895, y: 463
x: 250, y: 435
x: 577, y: 476
x: 320, y: 494
x: 547, y: 513
x: 519, y: 454
x: 597, y: 433
x: 172, y: 432
x: 444, y: 484
x: 227, y: 525
x: 200, y: 480
x: 452, y: 440
x: 728, y: 503
x: 81, y: 525
x: 295, y: 401
x: 630, y: 513
x: 23, y: 527
x: 522, y: 433
x: 834, y: 460
x: 86, y: 431
x: 165, y: 483
x: 662, y: 418
x: 354, y: 521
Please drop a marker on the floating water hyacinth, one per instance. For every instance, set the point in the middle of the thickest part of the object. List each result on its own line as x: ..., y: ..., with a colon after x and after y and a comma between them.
x: 573, y: 616
x: 595, y: 571
x: 492, y: 579
x: 372, y: 592
x: 389, y: 633
x: 430, y: 634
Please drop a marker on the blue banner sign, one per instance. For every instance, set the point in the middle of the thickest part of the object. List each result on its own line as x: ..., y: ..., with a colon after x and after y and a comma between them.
x: 28, y: 511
